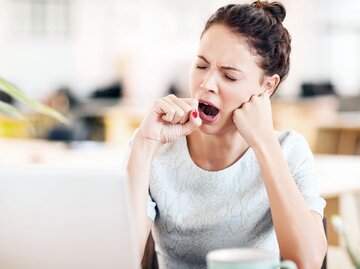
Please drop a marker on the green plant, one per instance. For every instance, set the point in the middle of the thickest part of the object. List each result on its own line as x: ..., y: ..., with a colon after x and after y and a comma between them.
x: 17, y: 94
x: 340, y: 229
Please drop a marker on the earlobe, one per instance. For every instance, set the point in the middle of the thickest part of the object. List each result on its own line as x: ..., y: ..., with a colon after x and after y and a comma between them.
x: 269, y: 87
x: 271, y: 84
x: 268, y: 92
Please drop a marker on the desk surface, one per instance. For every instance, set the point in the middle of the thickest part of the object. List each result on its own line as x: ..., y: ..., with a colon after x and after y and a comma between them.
x: 76, y: 155
x: 342, y: 121
x: 338, y: 174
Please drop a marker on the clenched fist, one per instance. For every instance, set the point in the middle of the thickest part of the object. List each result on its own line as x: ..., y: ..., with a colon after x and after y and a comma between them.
x: 170, y: 118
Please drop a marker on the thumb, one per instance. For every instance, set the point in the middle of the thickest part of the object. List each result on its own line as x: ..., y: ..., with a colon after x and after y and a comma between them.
x: 193, y: 122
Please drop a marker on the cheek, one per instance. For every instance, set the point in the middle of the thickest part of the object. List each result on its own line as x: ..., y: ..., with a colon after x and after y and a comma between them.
x: 235, y: 96
x: 253, y: 86
x: 231, y: 100
x: 246, y: 90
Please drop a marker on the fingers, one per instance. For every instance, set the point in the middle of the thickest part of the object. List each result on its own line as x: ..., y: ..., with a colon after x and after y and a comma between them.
x: 175, y: 110
x: 255, y: 98
x: 165, y: 110
x: 186, y: 106
x: 192, y: 102
x: 191, y: 107
x: 193, y: 123
x: 178, y: 112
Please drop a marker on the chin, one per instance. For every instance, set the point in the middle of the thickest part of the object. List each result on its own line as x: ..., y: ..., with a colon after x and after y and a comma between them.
x: 217, y: 130
x: 209, y: 130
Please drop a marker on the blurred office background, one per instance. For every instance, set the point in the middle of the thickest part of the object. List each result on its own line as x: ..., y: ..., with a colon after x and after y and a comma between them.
x: 100, y: 54
x: 103, y: 63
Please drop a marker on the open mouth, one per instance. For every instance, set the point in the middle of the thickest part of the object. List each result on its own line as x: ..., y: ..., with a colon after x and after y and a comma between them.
x: 208, y: 112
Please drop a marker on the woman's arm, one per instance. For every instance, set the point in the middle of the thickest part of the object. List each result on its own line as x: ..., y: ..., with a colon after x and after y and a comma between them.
x: 299, y: 231
x: 141, y: 154
x: 169, y: 119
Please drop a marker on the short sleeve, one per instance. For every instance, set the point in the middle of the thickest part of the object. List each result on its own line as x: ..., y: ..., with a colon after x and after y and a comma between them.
x: 151, y: 205
x: 302, y: 165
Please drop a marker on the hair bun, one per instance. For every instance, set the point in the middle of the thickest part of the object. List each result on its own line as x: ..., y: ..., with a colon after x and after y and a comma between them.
x: 275, y: 8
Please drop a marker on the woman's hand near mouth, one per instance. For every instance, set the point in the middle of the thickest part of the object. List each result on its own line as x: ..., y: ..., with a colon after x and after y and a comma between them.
x: 254, y: 120
x: 169, y: 119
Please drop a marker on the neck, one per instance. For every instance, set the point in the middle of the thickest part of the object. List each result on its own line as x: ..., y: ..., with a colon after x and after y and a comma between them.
x: 216, y: 152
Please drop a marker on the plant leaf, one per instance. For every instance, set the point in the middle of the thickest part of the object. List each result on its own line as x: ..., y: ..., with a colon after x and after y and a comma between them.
x: 339, y: 227
x: 10, y: 110
x: 351, y: 252
x: 16, y: 93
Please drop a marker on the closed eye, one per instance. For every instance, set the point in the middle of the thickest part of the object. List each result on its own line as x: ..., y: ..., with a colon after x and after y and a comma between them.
x: 230, y: 78
x: 226, y: 76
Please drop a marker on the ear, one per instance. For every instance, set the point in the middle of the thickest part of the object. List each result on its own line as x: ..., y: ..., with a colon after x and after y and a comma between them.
x: 270, y: 83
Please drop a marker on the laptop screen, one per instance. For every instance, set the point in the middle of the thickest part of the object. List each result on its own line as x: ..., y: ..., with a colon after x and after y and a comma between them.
x: 59, y: 218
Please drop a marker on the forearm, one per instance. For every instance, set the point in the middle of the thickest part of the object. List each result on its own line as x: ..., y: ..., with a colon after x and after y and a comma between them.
x: 138, y: 168
x: 297, y: 232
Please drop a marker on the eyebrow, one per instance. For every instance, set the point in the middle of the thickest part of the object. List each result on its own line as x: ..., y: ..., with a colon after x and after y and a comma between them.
x: 222, y: 67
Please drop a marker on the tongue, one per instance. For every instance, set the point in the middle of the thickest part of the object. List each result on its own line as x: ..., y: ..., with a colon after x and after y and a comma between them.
x: 209, y: 111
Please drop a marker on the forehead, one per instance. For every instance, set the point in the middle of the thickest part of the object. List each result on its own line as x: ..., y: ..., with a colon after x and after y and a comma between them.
x: 219, y: 45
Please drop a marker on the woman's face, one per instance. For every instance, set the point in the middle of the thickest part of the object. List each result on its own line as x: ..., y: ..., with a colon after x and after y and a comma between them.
x: 224, y: 76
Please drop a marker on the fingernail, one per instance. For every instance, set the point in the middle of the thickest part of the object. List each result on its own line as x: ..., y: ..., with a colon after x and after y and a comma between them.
x: 195, y: 114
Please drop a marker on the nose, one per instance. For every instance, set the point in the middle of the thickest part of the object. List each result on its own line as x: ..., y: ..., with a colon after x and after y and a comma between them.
x: 209, y: 83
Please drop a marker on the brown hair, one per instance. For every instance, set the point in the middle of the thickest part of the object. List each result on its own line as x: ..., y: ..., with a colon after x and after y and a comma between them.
x: 261, y: 25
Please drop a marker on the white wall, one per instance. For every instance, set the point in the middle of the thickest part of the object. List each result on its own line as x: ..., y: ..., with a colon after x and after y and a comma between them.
x: 84, y: 60
x: 344, y: 34
x: 330, y: 41
x: 149, y: 43
x: 36, y: 66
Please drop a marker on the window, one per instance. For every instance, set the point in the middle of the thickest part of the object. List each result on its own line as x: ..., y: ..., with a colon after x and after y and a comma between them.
x: 40, y: 18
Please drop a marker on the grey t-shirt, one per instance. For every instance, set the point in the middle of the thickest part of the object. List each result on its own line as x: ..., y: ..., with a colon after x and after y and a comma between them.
x: 196, y: 211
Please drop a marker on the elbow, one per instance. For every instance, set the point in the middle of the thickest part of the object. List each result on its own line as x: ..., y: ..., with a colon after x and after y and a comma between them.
x: 311, y: 264
x: 311, y: 258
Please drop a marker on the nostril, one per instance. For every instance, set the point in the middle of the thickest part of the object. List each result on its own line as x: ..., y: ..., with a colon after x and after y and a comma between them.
x: 209, y: 87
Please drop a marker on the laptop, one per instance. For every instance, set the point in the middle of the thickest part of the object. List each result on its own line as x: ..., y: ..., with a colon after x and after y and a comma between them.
x: 58, y: 218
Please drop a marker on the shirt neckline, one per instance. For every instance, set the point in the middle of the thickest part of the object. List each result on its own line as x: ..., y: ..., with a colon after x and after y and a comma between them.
x: 228, y: 169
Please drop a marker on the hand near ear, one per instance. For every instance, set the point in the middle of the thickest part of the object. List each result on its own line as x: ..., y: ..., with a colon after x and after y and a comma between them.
x: 254, y: 119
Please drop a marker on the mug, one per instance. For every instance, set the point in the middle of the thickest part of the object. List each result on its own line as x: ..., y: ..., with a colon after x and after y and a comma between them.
x: 245, y: 258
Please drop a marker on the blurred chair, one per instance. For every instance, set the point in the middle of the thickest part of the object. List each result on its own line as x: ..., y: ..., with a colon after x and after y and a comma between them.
x: 6, y: 98
x: 113, y: 91
x: 149, y: 260
x: 309, y: 89
x: 340, y: 138
x: 349, y: 104
x: 13, y: 128
x: 324, y: 265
